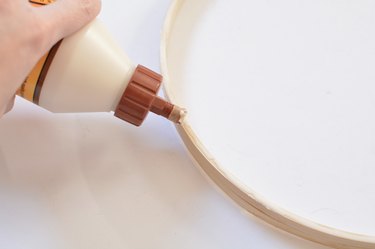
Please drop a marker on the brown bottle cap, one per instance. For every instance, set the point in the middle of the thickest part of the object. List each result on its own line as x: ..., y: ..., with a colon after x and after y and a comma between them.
x: 140, y: 97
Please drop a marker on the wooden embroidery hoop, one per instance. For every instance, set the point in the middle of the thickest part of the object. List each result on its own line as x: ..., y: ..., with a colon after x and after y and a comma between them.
x: 248, y: 199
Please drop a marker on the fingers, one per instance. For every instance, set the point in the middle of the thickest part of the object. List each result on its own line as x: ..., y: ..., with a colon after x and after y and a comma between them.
x: 64, y: 17
x: 10, y: 104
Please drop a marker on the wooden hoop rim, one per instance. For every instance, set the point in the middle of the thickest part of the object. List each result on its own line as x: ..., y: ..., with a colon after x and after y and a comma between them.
x: 242, y: 195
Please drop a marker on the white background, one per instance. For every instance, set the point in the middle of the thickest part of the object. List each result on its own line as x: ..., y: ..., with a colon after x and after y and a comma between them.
x: 92, y: 181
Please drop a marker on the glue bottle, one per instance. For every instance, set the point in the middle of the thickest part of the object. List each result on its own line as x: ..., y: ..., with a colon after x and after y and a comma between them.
x: 89, y: 72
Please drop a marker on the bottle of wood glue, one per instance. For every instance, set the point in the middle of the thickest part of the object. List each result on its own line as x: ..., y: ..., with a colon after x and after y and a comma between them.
x: 89, y: 72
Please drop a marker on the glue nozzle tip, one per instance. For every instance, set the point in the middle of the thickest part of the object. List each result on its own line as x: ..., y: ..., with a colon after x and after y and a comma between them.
x: 177, y: 115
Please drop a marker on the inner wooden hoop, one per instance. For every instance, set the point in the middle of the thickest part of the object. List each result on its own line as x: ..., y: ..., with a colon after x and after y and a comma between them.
x: 242, y: 195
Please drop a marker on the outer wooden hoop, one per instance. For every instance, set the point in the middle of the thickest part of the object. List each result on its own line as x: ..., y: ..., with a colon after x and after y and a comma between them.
x: 245, y: 197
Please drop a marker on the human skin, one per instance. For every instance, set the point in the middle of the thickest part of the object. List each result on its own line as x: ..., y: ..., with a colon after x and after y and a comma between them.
x: 27, y: 33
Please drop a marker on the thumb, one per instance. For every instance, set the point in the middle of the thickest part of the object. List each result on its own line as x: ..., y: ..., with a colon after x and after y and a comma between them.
x: 64, y: 17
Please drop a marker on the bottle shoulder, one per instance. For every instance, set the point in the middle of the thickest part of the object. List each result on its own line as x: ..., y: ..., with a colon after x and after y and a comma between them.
x: 88, y: 73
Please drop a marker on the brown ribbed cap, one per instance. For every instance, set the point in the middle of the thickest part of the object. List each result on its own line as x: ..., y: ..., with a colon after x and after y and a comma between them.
x: 140, y: 97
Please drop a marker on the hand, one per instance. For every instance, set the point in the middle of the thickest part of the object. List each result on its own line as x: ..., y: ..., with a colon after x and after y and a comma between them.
x: 27, y: 33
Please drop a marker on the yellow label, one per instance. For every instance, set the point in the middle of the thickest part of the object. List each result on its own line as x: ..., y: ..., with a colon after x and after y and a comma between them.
x: 31, y: 87
x: 43, y: 2
x: 28, y: 87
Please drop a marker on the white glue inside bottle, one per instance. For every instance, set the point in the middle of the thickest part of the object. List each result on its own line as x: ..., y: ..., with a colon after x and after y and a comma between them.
x: 89, y: 72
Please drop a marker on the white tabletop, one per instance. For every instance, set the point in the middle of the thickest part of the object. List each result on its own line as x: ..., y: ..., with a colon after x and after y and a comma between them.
x: 92, y: 181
